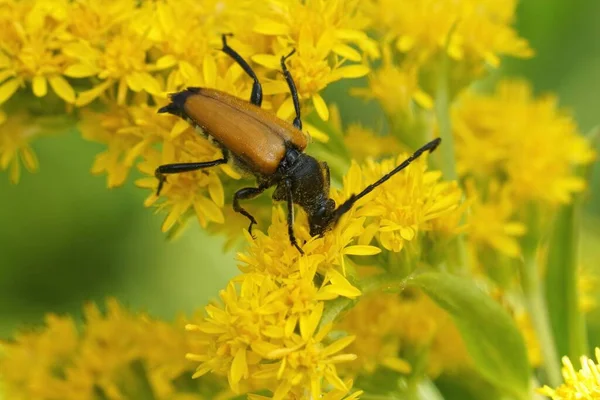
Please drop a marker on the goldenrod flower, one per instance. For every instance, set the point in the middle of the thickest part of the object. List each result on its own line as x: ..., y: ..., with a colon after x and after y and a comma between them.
x: 527, y: 142
x: 32, y: 37
x: 405, y: 207
x: 395, y: 86
x: 267, y: 330
x: 378, y: 338
x: 492, y: 222
x: 113, y: 355
x: 16, y: 132
x: 467, y: 30
x: 583, y: 384
x: 320, y: 31
x: 356, y: 137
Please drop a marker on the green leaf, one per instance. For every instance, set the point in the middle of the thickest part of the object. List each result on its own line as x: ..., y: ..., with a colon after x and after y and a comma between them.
x: 490, y: 335
x: 567, y: 321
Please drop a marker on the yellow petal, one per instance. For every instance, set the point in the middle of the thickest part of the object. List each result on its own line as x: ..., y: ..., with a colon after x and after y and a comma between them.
x: 347, y: 52
x: 180, y: 126
x: 267, y: 60
x: 62, y: 88
x: 215, y: 189
x: 308, y: 324
x: 29, y: 159
x: 80, y: 71
x: 270, y: 27
x: 40, y: 86
x: 423, y: 99
x: 362, y: 250
x: 315, y: 133
x: 88, y: 96
x: 286, y: 109
x: 349, y: 72
x: 397, y: 364
x: 209, y: 71
x: 320, y: 106
x: 166, y: 61
x: 239, y: 366
x: 206, y: 207
x: 174, y: 215
x: 338, y: 345
x: 8, y: 88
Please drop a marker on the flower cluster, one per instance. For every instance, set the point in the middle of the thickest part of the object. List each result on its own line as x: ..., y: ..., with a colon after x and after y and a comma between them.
x: 116, y: 355
x: 116, y: 63
x: 349, y: 308
x: 582, y: 384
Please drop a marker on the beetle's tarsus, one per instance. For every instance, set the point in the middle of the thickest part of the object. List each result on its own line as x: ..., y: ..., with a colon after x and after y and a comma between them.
x: 252, y: 222
x: 161, y: 181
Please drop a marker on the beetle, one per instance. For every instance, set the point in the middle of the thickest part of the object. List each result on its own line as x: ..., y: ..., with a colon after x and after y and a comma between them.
x: 268, y: 147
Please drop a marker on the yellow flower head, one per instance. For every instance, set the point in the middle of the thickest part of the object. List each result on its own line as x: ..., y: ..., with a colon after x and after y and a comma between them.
x: 357, y: 136
x: 266, y: 330
x: 322, y: 32
x: 378, y: 341
x: 406, y: 323
x: 583, y: 384
x: 405, y: 206
x: 32, y: 35
x: 492, y: 223
x: 524, y: 141
x: 467, y: 30
x: 395, y: 86
x: 114, y: 354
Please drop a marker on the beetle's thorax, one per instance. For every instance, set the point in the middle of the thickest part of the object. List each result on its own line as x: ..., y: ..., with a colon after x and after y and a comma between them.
x: 310, y: 184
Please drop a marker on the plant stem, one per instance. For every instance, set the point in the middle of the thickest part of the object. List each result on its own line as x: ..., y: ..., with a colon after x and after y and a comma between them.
x: 442, y: 112
x: 538, y: 312
x: 446, y: 150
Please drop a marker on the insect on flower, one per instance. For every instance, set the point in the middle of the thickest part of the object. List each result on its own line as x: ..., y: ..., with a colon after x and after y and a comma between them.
x: 268, y: 147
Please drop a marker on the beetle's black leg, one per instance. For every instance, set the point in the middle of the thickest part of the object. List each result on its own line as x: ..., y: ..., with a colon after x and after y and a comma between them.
x: 290, y: 214
x: 246, y: 193
x: 293, y: 90
x: 163, y: 170
x: 256, y: 96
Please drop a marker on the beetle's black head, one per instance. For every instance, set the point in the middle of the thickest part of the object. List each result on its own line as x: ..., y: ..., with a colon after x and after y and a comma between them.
x: 321, y: 217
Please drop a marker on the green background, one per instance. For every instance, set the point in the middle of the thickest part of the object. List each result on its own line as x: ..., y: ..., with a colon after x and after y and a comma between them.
x: 65, y: 239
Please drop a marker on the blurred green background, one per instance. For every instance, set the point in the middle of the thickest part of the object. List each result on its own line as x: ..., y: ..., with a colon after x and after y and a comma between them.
x: 65, y: 239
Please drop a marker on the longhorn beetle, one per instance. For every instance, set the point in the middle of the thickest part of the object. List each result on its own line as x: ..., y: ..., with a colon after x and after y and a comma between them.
x: 266, y: 146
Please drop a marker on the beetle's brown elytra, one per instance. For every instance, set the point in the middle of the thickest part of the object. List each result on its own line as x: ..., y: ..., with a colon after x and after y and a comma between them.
x: 268, y: 147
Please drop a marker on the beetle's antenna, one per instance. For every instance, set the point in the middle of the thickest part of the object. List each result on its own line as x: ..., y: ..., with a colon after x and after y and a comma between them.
x: 347, y: 205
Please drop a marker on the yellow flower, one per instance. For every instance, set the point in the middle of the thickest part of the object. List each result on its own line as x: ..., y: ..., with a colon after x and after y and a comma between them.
x: 583, y: 384
x: 32, y: 35
x: 474, y: 30
x: 404, y: 207
x: 491, y: 222
x: 16, y: 132
x: 321, y: 32
x: 273, y: 254
x: 121, y: 61
x: 395, y: 86
x: 265, y: 331
x: 114, y: 355
x: 356, y: 138
x: 524, y: 141
x: 378, y: 340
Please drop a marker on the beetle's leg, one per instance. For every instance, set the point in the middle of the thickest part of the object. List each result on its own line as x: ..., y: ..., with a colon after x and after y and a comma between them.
x: 256, y: 96
x: 163, y: 170
x: 293, y: 90
x: 290, y: 214
x: 243, y: 194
